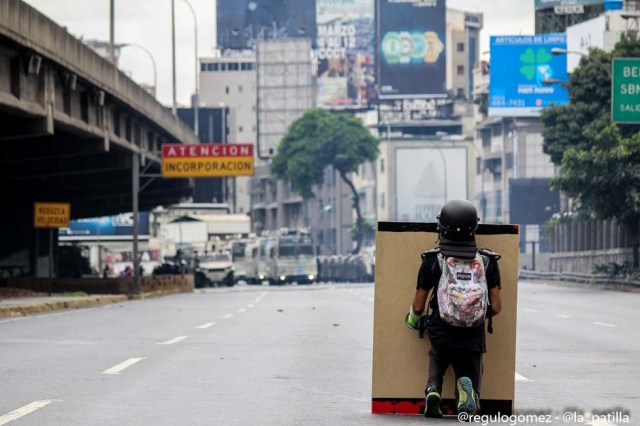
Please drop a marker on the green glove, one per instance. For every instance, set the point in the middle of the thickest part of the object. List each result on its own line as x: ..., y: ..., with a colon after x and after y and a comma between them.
x: 412, y: 320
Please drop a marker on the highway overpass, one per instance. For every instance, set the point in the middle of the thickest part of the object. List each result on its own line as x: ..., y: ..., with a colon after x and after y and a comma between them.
x: 71, y: 124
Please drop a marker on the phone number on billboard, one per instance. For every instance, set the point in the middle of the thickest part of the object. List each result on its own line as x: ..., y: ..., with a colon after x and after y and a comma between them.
x: 502, y: 102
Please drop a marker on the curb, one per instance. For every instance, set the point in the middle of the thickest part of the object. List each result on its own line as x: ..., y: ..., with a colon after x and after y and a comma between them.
x: 37, y: 308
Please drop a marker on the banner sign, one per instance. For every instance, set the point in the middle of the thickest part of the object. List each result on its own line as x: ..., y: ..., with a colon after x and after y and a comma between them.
x: 525, y: 76
x: 411, y: 44
x: 107, y: 226
x: 207, y: 160
x: 51, y: 215
x: 345, y: 53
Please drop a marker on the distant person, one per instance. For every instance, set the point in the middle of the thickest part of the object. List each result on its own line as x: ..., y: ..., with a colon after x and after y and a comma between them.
x: 128, y: 272
x: 105, y: 271
x: 465, y: 285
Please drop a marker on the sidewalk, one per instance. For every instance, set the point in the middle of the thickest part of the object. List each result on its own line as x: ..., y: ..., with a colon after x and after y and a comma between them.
x: 23, y: 303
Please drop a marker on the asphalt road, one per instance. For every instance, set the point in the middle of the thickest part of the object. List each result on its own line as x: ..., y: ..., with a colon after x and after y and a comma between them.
x: 289, y: 356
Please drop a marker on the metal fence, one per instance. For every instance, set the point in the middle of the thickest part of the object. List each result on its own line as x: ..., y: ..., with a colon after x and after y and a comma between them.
x: 576, y: 277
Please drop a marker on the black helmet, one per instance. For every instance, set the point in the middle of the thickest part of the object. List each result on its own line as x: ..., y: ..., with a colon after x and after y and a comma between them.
x: 458, y: 220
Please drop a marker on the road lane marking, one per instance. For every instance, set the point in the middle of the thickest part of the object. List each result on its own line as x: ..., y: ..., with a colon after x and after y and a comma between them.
x: 564, y: 316
x: 521, y: 378
x: 23, y: 411
x: 251, y: 305
x: 173, y: 341
x: 118, y: 368
x: 604, y: 324
x: 241, y: 310
x: 228, y: 316
x: 533, y: 311
x: 207, y: 325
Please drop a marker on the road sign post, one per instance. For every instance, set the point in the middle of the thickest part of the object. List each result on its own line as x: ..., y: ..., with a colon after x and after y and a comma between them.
x: 51, y: 216
x: 625, y: 91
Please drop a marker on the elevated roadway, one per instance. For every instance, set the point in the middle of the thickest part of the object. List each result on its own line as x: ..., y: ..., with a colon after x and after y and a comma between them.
x: 71, y: 127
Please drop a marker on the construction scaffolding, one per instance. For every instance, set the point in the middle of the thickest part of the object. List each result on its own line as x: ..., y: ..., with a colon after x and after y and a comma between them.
x: 286, y: 88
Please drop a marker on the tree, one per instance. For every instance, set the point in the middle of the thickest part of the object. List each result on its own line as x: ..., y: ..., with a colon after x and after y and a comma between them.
x: 599, y: 161
x: 320, y: 139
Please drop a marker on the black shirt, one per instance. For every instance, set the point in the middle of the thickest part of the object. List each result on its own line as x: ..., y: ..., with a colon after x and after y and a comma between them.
x: 467, y: 338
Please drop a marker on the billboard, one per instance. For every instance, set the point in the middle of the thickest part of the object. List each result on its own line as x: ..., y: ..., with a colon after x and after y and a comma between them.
x: 549, y: 4
x: 426, y: 178
x: 241, y: 23
x: 108, y: 226
x: 411, y: 46
x: 345, y: 53
x: 525, y: 76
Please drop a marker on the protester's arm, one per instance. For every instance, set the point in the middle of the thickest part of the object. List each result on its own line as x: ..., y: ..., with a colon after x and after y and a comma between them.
x: 417, y: 308
x: 419, y: 301
x: 495, y: 285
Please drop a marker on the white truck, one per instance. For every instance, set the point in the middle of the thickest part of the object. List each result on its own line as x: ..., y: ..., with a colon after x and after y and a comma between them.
x: 292, y: 258
x: 217, y: 267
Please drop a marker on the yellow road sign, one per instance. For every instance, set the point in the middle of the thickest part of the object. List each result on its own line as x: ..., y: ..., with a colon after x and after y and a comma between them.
x: 51, y: 215
x: 207, y: 160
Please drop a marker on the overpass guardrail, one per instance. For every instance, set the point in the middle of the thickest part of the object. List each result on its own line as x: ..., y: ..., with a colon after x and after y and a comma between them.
x: 600, y: 279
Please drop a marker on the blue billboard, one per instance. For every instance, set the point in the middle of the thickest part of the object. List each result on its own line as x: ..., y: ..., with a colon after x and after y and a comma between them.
x: 525, y: 76
x: 411, y: 48
x: 108, y: 226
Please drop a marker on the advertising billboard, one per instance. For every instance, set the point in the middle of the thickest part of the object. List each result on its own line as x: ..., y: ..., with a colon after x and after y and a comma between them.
x: 525, y: 76
x: 241, y: 23
x: 345, y: 53
x: 108, y: 226
x: 411, y: 46
x: 426, y: 178
x: 549, y: 4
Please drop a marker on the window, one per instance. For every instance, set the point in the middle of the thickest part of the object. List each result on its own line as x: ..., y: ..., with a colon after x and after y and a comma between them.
x: 460, y: 69
x: 223, y: 66
x: 382, y: 165
x: 204, y: 67
x: 234, y: 67
x: 226, y: 90
x: 240, y: 88
x: 382, y: 200
x: 460, y: 93
x: 214, y: 67
x: 460, y: 47
x: 240, y: 129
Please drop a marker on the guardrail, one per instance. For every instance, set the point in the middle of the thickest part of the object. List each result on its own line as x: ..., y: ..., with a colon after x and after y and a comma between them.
x: 578, y: 278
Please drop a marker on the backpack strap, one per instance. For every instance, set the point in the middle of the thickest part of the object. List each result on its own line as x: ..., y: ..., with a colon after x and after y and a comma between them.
x: 488, y: 255
x: 430, y: 254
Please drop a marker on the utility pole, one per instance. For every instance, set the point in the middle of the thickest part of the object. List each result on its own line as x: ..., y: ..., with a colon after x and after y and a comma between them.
x: 173, y: 54
x: 112, y: 16
x: 135, y: 192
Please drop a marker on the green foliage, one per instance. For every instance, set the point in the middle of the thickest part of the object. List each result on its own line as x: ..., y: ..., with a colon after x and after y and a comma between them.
x: 614, y: 269
x: 319, y: 139
x: 589, y: 109
x: 599, y: 161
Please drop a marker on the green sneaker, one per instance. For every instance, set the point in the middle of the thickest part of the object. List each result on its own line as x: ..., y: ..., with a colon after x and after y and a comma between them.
x: 432, y: 404
x: 466, y: 397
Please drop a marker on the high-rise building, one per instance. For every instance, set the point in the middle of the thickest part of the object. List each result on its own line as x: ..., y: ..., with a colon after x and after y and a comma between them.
x: 230, y: 82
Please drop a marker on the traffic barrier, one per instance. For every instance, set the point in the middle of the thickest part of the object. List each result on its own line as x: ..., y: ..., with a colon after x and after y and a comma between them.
x: 576, y: 277
x: 400, y: 358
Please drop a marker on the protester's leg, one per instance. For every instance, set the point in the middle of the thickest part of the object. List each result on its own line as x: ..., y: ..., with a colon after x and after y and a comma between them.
x: 467, y: 366
x: 438, y: 364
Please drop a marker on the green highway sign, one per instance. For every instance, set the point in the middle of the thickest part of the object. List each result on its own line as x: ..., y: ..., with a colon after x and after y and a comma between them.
x: 625, y: 90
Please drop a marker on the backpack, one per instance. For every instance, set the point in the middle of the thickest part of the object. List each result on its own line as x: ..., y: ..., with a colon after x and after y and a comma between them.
x: 463, y: 294
x: 474, y: 311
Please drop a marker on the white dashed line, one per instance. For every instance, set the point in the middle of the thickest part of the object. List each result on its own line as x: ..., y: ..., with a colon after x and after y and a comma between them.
x: 521, y: 378
x: 533, y: 311
x: 251, y: 305
x: 207, y: 325
x: 604, y: 324
x: 241, y: 310
x: 23, y: 411
x: 563, y: 316
x: 228, y: 316
x: 118, y: 368
x: 173, y: 341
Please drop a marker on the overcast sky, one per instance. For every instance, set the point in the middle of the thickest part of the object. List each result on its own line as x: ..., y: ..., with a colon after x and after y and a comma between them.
x: 148, y: 22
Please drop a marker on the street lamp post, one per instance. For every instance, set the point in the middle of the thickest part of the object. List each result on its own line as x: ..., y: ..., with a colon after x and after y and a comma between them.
x: 195, y: 58
x: 560, y: 51
x: 153, y: 62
